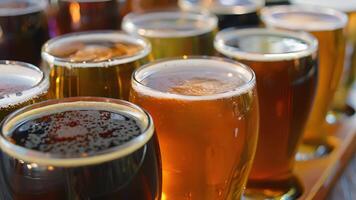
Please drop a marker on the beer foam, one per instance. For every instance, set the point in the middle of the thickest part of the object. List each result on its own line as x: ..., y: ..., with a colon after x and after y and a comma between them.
x: 303, y: 18
x: 194, y: 79
x: 20, y: 82
x: 220, y: 7
x: 78, y: 133
x: 342, y: 5
x: 87, y: 49
x: 169, y: 24
x: 21, y: 7
x: 256, y: 42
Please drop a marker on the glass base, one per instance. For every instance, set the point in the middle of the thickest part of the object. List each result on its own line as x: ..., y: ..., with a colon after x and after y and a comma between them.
x: 309, y: 151
x: 281, y: 190
x: 337, y: 114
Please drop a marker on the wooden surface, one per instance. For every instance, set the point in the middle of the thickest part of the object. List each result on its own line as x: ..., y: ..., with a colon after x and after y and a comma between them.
x: 320, y: 177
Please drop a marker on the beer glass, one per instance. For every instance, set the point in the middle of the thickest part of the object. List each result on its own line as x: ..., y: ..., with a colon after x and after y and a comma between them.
x: 96, y: 63
x: 206, y: 116
x: 82, y: 15
x: 23, y: 30
x: 285, y: 64
x: 327, y: 25
x: 236, y: 13
x: 174, y: 33
x: 20, y: 84
x: 79, y: 148
x: 340, y: 106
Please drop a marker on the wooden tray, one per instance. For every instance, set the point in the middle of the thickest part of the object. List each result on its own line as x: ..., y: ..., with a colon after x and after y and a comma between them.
x: 319, y: 176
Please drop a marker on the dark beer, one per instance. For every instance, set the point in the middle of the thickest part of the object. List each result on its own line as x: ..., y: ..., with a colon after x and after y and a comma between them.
x: 96, y: 63
x: 236, y: 13
x: 21, y: 84
x: 82, y: 148
x: 285, y: 66
x: 82, y: 15
x: 23, y: 30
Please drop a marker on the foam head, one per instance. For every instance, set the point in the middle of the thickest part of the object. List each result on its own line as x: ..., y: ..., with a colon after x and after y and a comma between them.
x: 194, y: 79
x: 168, y: 24
x: 305, y: 18
x: 221, y: 7
x: 21, y: 7
x: 88, y: 131
x: 95, y: 49
x: 258, y: 44
x: 20, y: 82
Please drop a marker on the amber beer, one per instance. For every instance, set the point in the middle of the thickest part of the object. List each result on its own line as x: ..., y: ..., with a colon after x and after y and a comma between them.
x: 174, y: 33
x: 240, y: 13
x: 94, y: 63
x: 340, y: 106
x: 21, y: 84
x: 286, y: 70
x: 206, y: 116
x: 147, y: 5
x: 79, y: 148
x: 327, y: 25
x: 23, y: 30
x: 83, y: 15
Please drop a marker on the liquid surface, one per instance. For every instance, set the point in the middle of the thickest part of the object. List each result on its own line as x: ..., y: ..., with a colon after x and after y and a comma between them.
x: 20, y: 7
x: 94, y: 50
x: 76, y: 133
x: 267, y: 44
x: 195, y: 80
x: 15, y: 79
x: 308, y: 20
x: 169, y: 24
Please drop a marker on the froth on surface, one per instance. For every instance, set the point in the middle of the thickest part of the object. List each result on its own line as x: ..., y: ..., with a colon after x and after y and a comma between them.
x: 21, y: 7
x: 194, y: 79
x: 118, y: 112
x: 259, y: 44
x: 307, y: 18
x: 76, y: 133
x: 95, y: 49
x: 169, y: 24
x: 223, y: 7
x: 19, y: 83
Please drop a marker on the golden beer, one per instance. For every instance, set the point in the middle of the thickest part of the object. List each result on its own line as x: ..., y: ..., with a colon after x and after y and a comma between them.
x: 285, y: 64
x: 94, y: 63
x: 174, y: 33
x: 240, y: 13
x: 21, y: 84
x: 206, y: 116
x: 327, y: 25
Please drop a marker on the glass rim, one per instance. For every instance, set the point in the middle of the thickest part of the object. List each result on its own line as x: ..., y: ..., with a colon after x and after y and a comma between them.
x: 219, y: 9
x: 37, y: 89
x: 130, y: 20
x: 241, y: 89
x: 344, y: 6
x: 268, y: 18
x: 39, y: 5
x: 122, y: 36
x: 42, y: 158
x: 226, y: 34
